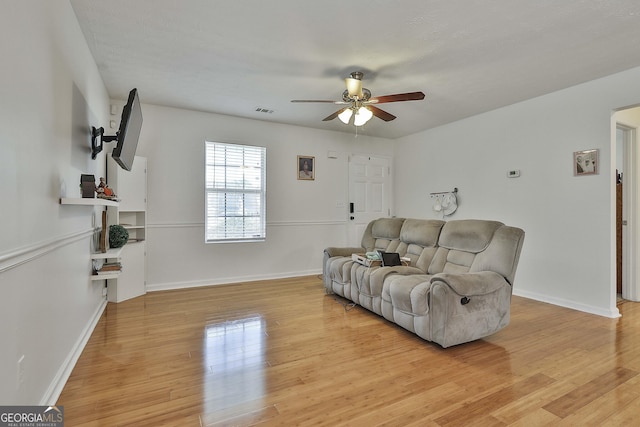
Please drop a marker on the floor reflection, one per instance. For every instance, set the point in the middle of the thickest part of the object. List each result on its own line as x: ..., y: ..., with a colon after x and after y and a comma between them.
x: 234, y: 354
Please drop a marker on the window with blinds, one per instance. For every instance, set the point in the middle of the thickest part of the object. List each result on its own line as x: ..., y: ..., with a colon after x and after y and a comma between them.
x: 235, y: 193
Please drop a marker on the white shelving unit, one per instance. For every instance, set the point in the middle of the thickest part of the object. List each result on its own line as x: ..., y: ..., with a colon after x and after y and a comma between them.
x: 131, y: 213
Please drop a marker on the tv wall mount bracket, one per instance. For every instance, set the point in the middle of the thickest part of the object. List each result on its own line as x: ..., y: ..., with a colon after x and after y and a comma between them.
x: 98, y: 138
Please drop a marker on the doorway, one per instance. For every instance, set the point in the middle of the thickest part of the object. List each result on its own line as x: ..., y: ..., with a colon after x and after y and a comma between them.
x: 626, y: 203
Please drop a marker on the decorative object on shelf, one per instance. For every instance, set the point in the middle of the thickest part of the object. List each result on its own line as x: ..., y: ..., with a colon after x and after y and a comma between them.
x: 118, y: 236
x: 306, y: 168
x: 585, y: 162
x: 105, y: 192
x: 446, y: 202
x: 88, y: 186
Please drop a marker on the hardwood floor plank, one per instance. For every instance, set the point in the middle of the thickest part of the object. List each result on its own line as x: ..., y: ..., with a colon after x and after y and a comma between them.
x: 586, y: 393
x: 282, y: 352
x: 606, y: 407
x: 627, y: 416
x: 494, y: 401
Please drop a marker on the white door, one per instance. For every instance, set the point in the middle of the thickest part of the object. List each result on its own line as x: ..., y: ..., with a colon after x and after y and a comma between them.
x: 369, y: 193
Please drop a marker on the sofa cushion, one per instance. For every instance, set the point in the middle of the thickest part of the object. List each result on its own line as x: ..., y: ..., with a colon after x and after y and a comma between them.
x: 418, y: 240
x: 459, y: 243
x: 421, y: 232
x: 382, y: 233
x: 408, y: 293
x: 468, y: 235
x: 451, y: 261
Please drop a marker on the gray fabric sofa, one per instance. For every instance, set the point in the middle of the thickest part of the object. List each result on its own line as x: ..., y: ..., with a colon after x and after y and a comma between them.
x: 456, y: 288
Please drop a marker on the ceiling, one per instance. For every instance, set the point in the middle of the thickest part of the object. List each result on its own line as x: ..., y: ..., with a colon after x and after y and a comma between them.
x: 235, y: 57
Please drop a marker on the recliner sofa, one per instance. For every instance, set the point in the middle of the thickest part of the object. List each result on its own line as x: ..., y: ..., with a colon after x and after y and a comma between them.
x: 457, y: 287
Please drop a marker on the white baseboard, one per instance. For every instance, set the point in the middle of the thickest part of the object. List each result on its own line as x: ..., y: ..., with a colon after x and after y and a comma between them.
x: 227, y: 280
x: 613, y: 313
x: 55, y: 388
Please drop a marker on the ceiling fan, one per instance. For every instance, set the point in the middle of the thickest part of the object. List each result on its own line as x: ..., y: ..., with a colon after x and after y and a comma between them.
x: 359, y: 102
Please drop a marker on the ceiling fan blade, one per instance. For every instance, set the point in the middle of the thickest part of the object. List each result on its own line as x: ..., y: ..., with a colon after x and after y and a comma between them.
x: 381, y: 114
x: 312, y: 100
x: 334, y: 115
x: 411, y: 96
x: 321, y: 100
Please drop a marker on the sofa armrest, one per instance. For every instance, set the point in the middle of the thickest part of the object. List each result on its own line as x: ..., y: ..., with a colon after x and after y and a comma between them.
x: 468, y: 306
x: 472, y: 284
x: 332, y: 251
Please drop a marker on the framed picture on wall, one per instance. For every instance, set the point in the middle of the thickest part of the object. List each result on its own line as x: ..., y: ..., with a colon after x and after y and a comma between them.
x: 585, y: 162
x: 306, y: 168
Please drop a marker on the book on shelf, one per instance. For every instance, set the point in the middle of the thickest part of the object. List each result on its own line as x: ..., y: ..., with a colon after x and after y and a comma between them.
x: 109, y: 268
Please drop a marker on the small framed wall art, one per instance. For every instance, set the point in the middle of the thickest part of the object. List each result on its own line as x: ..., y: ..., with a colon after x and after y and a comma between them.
x: 585, y: 162
x: 306, y: 168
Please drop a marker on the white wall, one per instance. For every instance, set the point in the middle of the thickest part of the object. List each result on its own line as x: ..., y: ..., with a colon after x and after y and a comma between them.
x: 50, y: 93
x: 568, y: 251
x: 302, y: 216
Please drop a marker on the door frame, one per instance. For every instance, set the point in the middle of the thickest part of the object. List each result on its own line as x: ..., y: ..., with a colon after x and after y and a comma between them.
x: 629, y: 204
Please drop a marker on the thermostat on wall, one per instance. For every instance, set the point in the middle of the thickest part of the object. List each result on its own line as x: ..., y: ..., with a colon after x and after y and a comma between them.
x: 513, y: 174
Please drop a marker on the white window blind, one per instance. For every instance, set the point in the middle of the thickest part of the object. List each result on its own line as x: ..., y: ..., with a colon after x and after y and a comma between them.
x: 235, y: 192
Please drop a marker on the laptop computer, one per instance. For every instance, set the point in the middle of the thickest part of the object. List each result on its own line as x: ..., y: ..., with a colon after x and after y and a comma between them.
x: 390, y: 259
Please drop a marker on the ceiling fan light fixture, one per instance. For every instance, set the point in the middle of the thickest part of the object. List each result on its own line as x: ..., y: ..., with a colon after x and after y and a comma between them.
x: 345, y: 116
x: 354, y: 87
x: 363, y: 115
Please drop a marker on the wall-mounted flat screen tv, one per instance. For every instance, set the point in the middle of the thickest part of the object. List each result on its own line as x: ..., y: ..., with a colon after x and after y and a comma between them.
x: 129, y: 132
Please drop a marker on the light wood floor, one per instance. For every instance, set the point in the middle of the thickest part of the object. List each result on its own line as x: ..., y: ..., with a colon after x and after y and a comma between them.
x: 282, y: 352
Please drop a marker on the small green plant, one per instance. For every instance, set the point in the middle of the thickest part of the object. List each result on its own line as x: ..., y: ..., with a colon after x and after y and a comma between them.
x: 118, y: 236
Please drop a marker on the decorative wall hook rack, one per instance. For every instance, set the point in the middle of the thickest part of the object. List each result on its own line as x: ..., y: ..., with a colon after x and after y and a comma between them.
x: 445, y: 202
x: 455, y: 190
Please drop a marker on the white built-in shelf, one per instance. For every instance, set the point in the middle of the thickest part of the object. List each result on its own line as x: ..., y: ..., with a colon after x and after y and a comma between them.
x: 96, y: 201
x: 105, y: 276
x: 111, y: 253
x: 133, y: 227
